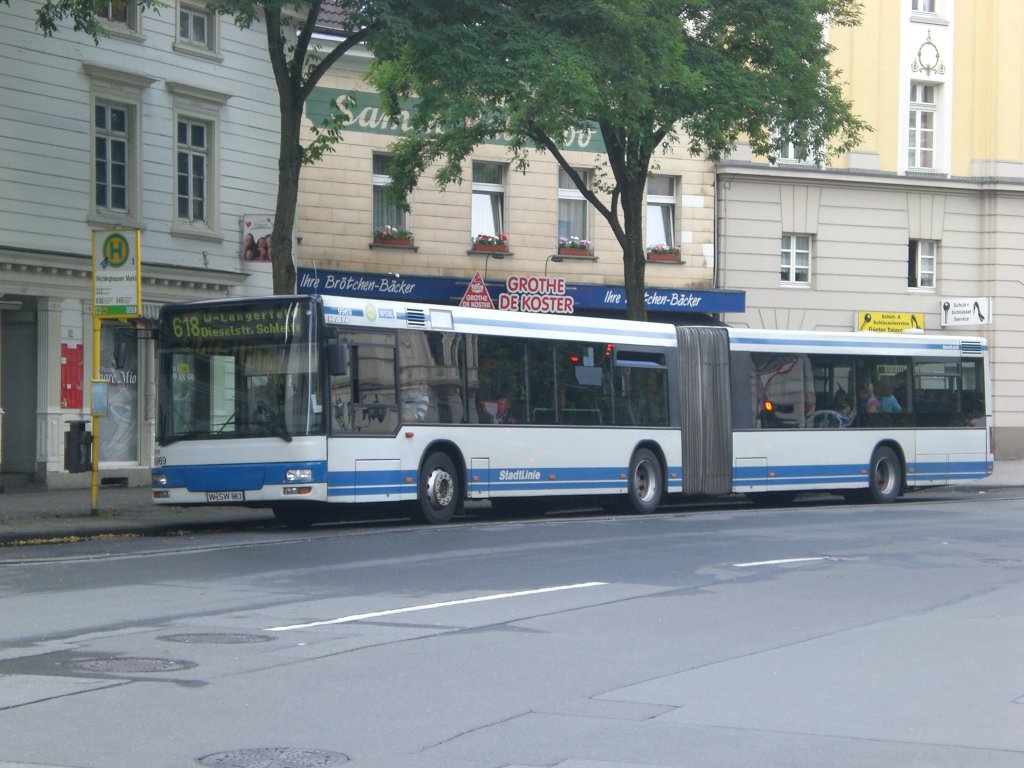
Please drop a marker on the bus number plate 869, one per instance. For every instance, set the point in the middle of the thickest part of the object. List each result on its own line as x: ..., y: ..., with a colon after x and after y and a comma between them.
x: 215, y: 497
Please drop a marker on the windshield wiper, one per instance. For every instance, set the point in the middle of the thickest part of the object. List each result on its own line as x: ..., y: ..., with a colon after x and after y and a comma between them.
x: 273, y: 428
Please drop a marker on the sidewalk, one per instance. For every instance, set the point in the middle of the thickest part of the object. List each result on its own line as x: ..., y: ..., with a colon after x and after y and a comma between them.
x: 33, y: 513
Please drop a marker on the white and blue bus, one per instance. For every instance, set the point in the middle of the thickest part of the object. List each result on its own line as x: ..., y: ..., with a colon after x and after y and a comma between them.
x: 298, y: 403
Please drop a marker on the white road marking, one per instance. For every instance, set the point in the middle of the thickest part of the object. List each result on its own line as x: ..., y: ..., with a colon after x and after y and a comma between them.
x: 429, y: 606
x: 779, y: 562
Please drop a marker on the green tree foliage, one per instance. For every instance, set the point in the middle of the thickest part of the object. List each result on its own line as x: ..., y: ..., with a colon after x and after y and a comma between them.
x: 649, y: 74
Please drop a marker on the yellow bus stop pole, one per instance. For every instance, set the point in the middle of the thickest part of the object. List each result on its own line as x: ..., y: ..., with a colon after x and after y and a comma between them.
x: 95, y: 481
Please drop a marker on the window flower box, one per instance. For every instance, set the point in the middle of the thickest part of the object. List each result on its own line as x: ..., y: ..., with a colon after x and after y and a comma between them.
x: 491, y: 243
x: 393, y: 236
x: 573, y: 246
x: 662, y: 252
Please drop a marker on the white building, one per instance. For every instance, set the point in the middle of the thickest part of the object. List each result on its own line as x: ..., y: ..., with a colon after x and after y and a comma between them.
x: 168, y: 126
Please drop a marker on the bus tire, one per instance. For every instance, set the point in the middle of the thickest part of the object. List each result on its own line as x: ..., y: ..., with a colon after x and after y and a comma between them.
x: 297, y: 517
x: 646, y: 482
x: 885, y: 476
x: 439, y: 494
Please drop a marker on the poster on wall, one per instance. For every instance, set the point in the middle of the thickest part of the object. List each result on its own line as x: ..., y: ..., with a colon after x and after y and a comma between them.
x: 119, y: 365
x: 71, y: 374
x: 256, y: 231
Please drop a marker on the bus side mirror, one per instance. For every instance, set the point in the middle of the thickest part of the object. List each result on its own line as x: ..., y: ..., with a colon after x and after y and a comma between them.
x: 337, y: 358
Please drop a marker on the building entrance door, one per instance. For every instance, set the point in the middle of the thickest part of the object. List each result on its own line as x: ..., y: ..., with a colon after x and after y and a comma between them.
x: 18, y: 385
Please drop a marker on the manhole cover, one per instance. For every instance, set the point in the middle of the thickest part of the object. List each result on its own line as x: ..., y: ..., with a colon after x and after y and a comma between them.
x: 128, y: 665
x: 274, y: 757
x: 216, y: 638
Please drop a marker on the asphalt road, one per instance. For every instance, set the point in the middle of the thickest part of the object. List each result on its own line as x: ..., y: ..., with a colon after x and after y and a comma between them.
x: 804, y: 636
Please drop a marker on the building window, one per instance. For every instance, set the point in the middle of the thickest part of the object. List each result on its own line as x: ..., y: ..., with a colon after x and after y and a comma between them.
x: 921, y: 138
x: 116, y: 130
x: 796, y: 259
x: 193, y: 161
x: 385, y: 214
x: 197, y: 116
x: 921, y: 264
x: 922, y: 6
x: 661, y: 210
x: 122, y: 18
x: 572, y: 206
x: 488, y: 199
x: 197, y: 29
x: 111, y: 135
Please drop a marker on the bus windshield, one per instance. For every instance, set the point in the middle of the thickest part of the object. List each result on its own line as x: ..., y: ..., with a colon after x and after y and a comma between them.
x: 238, y: 369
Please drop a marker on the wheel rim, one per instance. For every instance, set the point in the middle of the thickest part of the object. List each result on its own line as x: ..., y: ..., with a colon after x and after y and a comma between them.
x: 644, y: 483
x: 885, y: 477
x: 440, y: 488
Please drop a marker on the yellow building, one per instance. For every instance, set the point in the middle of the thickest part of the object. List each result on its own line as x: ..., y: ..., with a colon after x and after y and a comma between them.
x: 926, y: 215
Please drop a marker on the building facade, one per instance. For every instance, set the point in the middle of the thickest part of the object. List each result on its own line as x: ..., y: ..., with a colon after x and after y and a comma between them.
x: 923, y: 224
x: 166, y: 127
x: 501, y: 228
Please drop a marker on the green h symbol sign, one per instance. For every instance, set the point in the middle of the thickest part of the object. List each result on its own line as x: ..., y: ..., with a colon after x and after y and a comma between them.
x: 115, y: 250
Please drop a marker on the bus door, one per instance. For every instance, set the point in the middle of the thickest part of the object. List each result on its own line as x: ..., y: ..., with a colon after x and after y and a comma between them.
x: 362, y: 456
x: 705, y: 409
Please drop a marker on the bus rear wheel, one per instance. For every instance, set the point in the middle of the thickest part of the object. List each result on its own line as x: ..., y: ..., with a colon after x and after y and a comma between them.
x: 885, y: 476
x: 439, y: 494
x: 646, y: 482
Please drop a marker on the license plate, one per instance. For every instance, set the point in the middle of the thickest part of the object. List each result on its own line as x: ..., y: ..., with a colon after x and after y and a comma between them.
x: 216, y: 497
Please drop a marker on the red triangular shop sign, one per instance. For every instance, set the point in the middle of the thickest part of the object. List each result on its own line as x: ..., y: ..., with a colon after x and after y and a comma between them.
x: 477, y: 295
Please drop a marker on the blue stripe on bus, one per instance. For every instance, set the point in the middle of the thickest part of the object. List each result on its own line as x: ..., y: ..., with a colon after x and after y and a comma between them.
x: 824, y: 475
x: 236, y: 477
x: 578, y: 479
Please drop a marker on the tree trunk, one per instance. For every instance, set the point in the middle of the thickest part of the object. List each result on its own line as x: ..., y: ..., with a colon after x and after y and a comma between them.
x: 289, y: 168
x: 633, y: 255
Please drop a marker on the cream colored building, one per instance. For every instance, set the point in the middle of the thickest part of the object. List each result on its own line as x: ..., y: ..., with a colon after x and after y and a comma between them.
x: 339, y: 214
x: 924, y: 218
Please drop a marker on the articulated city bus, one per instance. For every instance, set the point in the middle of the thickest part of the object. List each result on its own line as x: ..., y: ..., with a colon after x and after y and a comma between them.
x: 299, y: 403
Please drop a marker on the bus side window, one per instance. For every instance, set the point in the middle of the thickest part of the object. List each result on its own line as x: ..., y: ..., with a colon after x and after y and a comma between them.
x: 364, y: 400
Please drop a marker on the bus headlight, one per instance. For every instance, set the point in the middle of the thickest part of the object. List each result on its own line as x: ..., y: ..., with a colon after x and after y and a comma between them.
x: 298, y: 475
x: 159, y: 478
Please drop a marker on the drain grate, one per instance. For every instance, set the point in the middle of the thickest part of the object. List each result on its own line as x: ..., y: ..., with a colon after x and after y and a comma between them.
x: 216, y: 638
x: 127, y: 665
x: 274, y: 757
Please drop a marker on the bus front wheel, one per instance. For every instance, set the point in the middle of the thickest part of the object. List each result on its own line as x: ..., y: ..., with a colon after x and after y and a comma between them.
x: 439, y: 495
x: 885, y: 476
x: 646, y: 482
